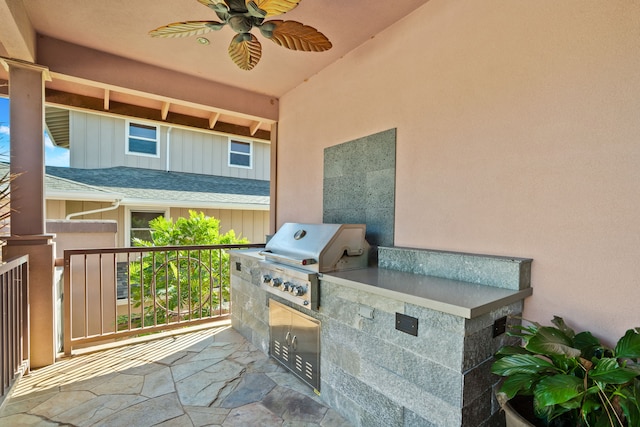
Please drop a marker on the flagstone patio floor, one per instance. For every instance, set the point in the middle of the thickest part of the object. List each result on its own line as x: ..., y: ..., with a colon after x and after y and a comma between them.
x: 211, y: 377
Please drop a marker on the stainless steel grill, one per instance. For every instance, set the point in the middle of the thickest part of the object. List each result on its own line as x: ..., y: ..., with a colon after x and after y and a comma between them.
x: 319, y: 247
x: 293, y: 260
x: 298, y: 252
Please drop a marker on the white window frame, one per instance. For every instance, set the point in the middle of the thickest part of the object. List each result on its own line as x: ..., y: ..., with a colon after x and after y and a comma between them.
x: 250, y: 154
x: 128, y: 136
x: 127, y: 218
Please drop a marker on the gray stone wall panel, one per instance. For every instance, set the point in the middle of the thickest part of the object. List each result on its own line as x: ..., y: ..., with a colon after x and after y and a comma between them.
x: 503, y: 272
x: 331, y: 290
x: 410, y: 395
x: 478, y: 411
x: 381, y: 409
x: 433, y: 378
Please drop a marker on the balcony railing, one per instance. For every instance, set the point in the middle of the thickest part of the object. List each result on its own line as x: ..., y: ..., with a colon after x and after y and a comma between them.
x: 14, y: 322
x: 114, y: 293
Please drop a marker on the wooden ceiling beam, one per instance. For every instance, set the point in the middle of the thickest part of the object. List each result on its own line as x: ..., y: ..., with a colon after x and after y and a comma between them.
x: 213, y: 119
x: 253, y: 128
x: 16, y: 31
x: 106, y: 99
x: 165, y: 110
x: 66, y: 99
x: 72, y: 63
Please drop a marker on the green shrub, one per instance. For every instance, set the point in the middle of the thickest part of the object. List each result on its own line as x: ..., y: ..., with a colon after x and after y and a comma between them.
x: 182, y: 284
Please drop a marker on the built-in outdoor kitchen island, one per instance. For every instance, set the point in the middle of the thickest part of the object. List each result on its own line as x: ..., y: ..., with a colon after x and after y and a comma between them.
x: 408, y: 342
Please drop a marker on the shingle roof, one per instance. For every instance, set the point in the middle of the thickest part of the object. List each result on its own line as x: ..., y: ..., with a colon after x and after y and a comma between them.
x: 57, y: 185
x: 174, y: 188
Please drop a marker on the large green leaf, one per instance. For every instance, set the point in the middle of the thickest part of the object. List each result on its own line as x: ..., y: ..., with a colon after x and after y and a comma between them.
x: 629, y: 345
x: 634, y: 367
x: 524, y: 332
x: 631, y: 403
x: 548, y: 413
x: 587, y: 344
x: 607, y: 370
x: 508, y: 350
x: 521, y: 364
x: 558, y: 389
x: 591, y: 405
x: 518, y: 384
x: 552, y: 341
x: 565, y: 363
x: 595, y: 415
x: 559, y: 322
x: 545, y: 413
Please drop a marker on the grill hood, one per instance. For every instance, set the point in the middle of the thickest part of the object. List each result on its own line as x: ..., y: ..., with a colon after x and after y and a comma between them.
x: 319, y: 247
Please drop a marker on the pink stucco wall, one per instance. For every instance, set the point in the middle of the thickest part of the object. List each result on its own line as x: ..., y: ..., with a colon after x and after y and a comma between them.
x: 518, y: 133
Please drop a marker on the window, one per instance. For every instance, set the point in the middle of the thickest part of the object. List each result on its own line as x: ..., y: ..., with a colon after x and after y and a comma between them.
x: 140, y: 225
x: 142, y: 139
x: 240, y: 153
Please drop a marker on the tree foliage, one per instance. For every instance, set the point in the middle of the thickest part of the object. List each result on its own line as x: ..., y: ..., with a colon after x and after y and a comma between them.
x: 198, y: 229
x: 182, y: 284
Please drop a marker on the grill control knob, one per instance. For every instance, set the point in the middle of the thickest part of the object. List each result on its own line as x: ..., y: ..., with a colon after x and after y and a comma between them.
x: 299, y: 290
x: 287, y: 286
x: 266, y: 278
x: 276, y: 282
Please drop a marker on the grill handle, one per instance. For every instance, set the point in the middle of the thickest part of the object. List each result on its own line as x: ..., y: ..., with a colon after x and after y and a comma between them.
x: 287, y: 260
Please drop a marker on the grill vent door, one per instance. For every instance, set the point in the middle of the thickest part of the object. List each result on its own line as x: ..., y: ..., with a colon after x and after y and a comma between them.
x: 295, y: 342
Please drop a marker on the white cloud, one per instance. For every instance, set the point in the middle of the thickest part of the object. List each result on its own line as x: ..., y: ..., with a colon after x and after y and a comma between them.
x: 4, y: 130
x: 56, y: 157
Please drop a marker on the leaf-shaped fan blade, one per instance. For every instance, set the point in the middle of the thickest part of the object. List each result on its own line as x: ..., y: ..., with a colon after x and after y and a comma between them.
x: 184, y: 29
x: 296, y: 36
x: 276, y: 7
x: 254, y: 10
x: 218, y: 6
x: 213, y: 4
x: 245, y: 50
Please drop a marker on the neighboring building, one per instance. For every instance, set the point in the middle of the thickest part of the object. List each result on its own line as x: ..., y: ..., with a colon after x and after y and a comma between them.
x: 132, y: 171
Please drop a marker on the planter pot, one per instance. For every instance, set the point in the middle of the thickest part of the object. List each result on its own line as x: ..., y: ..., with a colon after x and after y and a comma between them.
x: 518, y: 412
x: 513, y: 418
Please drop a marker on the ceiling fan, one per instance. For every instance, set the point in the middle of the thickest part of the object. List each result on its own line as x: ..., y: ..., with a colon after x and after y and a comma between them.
x: 242, y: 16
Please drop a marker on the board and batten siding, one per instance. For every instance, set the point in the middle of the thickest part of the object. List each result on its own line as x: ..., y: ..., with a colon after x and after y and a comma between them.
x: 55, y: 209
x: 99, y: 141
x: 208, y: 154
x: 254, y: 225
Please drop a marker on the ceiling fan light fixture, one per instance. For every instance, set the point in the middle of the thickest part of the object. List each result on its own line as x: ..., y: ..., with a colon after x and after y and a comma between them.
x: 243, y: 16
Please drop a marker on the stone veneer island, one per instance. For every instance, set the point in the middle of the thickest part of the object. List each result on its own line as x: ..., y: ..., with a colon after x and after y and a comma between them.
x: 376, y: 375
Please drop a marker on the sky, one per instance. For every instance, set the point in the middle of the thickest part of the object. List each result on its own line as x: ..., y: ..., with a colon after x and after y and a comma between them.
x: 54, y: 156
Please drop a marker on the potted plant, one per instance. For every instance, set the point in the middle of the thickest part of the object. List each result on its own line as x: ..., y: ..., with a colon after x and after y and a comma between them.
x: 570, y: 379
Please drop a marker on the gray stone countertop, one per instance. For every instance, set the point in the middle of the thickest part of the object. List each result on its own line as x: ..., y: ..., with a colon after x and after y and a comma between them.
x: 455, y: 297
x: 462, y: 299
